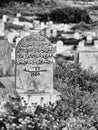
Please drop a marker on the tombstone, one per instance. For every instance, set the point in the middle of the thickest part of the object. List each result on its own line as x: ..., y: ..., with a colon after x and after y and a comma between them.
x: 6, y: 32
x: 65, y: 28
x: 47, y: 23
x: 24, y: 33
x: 34, y: 64
x: 93, y: 34
x: 10, y: 37
x: 48, y: 32
x: 89, y: 60
x: 26, y: 24
x: 5, y: 57
x: 89, y: 39
x: 43, y: 32
x: 96, y: 33
x: 96, y: 43
x: 50, y: 23
x: 13, y: 54
x: 42, y: 25
x: 4, y: 18
x: 54, y: 33
x: 81, y: 45
x: 18, y: 15
x: 37, y: 22
x: 13, y: 60
x: 59, y: 46
x: 59, y: 28
x: 26, y: 28
x: 2, y: 29
x: 34, y: 24
x: 16, y: 21
x: 17, y: 40
x: 77, y: 36
x: 62, y: 27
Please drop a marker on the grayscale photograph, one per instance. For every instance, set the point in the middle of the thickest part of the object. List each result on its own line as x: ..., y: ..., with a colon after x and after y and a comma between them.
x: 49, y: 65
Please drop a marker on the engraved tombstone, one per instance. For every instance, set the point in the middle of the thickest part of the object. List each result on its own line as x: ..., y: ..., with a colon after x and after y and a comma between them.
x: 34, y: 64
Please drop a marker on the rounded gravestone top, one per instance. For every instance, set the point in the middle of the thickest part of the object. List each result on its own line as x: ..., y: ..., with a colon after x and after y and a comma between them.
x: 18, y: 15
x: 4, y: 18
x: 34, y: 49
x: 77, y: 36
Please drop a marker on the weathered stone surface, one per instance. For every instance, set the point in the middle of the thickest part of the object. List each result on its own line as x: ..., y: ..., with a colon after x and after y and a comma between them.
x: 34, y: 64
x: 5, y: 58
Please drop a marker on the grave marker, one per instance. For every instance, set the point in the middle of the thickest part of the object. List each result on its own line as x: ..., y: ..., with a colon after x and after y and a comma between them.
x: 2, y: 27
x: 96, y: 43
x: 77, y: 36
x: 10, y: 37
x: 88, y: 60
x: 4, y: 18
x: 65, y: 28
x: 42, y: 25
x: 5, y: 57
x: 16, y: 21
x: 89, y: 39
x: 54, y: 33
x: 18, y: 15
x: 48, y: 33
x: 50, y: 23
x: 59, y: 46
x: 34, y: 64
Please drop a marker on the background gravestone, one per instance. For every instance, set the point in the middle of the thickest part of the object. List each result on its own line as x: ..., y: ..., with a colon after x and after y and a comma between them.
x: 34, y: 64
x: 59, y: 46
x: 5, y: 58
x: 89, y: 39
x: 96, y: 43
x: 54, y: 34
x: 89, y: 59
x: 48, y: 32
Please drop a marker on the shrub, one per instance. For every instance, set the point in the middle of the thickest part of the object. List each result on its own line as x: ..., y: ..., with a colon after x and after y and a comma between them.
x: 66, y: 15
x: 78, y: 87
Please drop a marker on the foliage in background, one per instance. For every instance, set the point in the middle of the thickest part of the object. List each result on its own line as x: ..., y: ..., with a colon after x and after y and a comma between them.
x: 46, y: 10
x: 66, y: 15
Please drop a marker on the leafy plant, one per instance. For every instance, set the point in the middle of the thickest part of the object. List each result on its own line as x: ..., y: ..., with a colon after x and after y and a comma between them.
x: 79, y: 88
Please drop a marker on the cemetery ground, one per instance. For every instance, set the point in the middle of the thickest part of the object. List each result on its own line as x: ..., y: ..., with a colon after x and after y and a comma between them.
x: 77, y: 109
